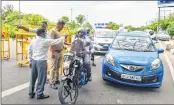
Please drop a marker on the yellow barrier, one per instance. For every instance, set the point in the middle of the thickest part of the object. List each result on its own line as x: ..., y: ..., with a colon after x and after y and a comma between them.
x: 23, y: 39
x: 5, y: 37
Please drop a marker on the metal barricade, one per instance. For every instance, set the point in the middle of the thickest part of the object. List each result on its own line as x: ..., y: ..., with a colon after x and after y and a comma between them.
x: 22, y: 42
x: 5, y: 43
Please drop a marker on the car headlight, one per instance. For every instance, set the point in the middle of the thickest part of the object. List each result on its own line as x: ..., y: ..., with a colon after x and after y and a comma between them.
x: 110, y: 60
x: 155, y: 64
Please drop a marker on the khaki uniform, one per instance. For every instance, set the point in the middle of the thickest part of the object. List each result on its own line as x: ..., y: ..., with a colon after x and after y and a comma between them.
x: 54, y: 63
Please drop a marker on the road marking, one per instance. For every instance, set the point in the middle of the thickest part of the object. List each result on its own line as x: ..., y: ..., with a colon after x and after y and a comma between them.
x: 21, y: 87
x: 168, y: 62
x: 15, y: 89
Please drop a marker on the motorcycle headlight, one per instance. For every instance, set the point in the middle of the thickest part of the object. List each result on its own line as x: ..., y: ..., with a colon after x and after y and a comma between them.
x: 155, y: 64
x: 110, y: 60
x: 66, y: 64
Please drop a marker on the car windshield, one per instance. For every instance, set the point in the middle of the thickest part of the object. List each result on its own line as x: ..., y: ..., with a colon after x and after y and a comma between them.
x: 133, y: 43
x: 163, y: 33
x: 105, y: 34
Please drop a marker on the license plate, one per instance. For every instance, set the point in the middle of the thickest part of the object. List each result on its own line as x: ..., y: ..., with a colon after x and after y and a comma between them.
x: 131, y: 77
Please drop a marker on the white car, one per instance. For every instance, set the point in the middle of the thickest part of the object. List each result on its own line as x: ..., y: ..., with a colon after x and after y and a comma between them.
x: 163, y: 36
x: 102, y: 38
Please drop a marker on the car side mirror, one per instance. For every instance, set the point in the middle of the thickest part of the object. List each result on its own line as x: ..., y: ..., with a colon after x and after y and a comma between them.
x: 160, y: 51
x: 106, y: 46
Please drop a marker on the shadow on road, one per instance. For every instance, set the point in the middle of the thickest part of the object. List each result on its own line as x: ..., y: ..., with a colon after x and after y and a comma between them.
x: 123, y: 87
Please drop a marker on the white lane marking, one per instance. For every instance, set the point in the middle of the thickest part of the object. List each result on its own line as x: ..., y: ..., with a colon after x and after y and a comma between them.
x: 168, y: 62
x: 21, y: 87
x: 15, y: 89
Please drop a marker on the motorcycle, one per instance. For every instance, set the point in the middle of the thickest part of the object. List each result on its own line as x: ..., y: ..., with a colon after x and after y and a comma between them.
x: 75, y: 77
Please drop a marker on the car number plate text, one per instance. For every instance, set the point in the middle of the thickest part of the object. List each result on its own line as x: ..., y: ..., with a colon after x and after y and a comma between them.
x: 131, y: 77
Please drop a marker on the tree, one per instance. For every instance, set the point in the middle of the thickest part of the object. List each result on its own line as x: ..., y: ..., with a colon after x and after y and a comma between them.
x: 65, y: 19
x: 87, y: 25
x: 113, y: 26
x: 153, y: 26
x: 164, y: 24
x: 130, y: 28
x: 142, y: 28
x: 170, y: 30
x: 34, y: 19
x: 6, y: 10
x: 73, y: 26
x: 80, y: 19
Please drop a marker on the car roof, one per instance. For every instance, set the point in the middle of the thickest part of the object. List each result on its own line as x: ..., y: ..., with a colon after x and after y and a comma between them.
x: 133, y: 34
x: 104, y: 30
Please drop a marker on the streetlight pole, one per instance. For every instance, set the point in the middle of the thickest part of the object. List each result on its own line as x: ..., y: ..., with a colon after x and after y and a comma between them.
x: 71, y: 14
x: 158, y: 19
x: 19, y: 13
x: 87, y: 18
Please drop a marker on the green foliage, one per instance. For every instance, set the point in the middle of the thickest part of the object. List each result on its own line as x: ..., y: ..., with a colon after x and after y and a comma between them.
x: 10, y: 18
x: 113, y: 26
x: 87, y: 25
x: 80, y: 19
x: 170, y: 29
x: 65, y: 19
x: 130, y: 28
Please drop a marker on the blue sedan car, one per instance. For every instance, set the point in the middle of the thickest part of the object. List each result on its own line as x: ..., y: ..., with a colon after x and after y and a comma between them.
x: 133, y: 59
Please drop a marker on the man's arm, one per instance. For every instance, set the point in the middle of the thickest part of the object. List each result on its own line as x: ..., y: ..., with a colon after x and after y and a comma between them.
x: 50, y: 42
x: 51, y: 36
x: 24, y: 28
x: 28, y: 29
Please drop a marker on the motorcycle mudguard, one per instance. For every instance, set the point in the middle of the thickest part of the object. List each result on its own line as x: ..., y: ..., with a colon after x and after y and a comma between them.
x: 65, y: 78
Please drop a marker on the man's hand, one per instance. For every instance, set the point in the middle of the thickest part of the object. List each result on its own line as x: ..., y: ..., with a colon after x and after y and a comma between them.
x: 19, y: 26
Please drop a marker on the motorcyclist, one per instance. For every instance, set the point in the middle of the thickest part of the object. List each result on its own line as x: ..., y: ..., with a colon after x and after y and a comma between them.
x: 88, y: 35
x: 87, y: 48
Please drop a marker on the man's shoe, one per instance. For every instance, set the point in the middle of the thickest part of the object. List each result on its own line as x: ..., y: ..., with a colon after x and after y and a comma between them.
x: 58, y: 82
x: 93, y: 64
x: 43, y: 96
x: 53, y: 86
x: 31, y: 95
x: 90, y: 79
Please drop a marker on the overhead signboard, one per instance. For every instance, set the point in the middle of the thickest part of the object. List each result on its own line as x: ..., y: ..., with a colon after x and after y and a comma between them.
x: 101, y: 25
x: 165, y: 3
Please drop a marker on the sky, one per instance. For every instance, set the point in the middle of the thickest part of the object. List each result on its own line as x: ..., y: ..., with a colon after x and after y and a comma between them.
x: 136, y: 13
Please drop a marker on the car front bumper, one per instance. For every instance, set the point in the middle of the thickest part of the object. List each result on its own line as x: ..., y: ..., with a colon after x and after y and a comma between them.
x: 151, y: 79
x: 100, y: 49
x: 163, y: 39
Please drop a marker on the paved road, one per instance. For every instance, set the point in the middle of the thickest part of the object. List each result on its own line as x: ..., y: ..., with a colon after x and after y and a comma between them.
x: 96, y: 92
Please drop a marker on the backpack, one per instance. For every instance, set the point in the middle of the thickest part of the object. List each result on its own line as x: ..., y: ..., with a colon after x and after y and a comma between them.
x: 78, y: 45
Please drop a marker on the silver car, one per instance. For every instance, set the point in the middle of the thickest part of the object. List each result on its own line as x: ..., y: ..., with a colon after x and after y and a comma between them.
x: 102, y: 38
x: 163, y: 36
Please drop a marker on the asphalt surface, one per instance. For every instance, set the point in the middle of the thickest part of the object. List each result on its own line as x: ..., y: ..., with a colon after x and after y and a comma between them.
x: 95, y: 92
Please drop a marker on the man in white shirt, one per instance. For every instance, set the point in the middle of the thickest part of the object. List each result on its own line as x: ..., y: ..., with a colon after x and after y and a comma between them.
x: 38, y: 55
x: 43, y: 25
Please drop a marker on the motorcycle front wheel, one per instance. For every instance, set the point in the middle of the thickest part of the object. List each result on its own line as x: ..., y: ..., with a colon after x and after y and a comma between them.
x: 65, y: 91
